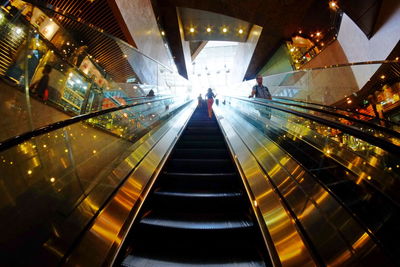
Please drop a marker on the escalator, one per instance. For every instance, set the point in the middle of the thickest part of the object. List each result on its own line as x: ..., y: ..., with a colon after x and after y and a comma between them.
x: 374, y: 209
x: 372, y: 206
x: 198, y: 211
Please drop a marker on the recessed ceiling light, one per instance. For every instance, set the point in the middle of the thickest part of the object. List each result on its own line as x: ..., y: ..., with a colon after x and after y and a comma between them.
x: 240, y: 31
x: 192, y: 29
x: 333, y: 5
x: 208, y: 29
x: 224, y: 29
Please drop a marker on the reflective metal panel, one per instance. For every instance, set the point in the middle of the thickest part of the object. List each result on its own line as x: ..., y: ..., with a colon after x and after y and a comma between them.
x: 287, y: 243
x: 327, y: 227
x: 102, y: 240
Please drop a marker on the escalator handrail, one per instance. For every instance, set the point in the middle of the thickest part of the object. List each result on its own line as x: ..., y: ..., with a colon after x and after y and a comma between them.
x: 367, y: 123
x: 385, y: 145
x: 336, y: 108
x: 18, y: 139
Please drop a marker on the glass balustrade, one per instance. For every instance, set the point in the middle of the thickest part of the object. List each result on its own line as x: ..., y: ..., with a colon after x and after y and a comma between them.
x: 50, y: 70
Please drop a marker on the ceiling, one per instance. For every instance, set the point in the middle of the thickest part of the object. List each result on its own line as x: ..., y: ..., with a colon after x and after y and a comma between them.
x: 202, y: 25
x: 280, y: 19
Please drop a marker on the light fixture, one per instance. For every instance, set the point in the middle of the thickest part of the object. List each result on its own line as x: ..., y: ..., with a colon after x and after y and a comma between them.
x: 224, y: 29
x: 240, y: 31
x: 208, y: 29
x: 322, y: 44
x: 312, y: 35
x: 18, y: 31
x: 383, y: 77
x: 333, y: 5
x: 292, y: 49
x: 318, y: 33
x: 397, y: 58
x: 191, y: 29
x: 52, y: 179
x: 300, y: 31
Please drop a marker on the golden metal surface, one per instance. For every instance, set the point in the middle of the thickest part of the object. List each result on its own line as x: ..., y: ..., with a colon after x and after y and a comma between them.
x: 102, y: 241
x: 287, y: 243
x: 336, y: 237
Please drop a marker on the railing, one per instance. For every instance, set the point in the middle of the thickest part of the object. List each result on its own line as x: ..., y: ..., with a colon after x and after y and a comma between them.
x: 49, y: 75
x: 307, y: 159
x: 364, y: 90
x: 59, y: 177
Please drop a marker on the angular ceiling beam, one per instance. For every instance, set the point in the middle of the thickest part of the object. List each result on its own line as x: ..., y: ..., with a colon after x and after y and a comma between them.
x: 197, y: 51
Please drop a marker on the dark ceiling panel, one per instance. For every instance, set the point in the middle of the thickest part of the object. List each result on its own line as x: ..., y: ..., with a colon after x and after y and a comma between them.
x: 364, y: 13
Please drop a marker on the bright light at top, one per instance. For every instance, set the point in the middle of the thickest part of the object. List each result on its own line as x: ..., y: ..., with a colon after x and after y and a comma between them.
x: 213, y: 67
x: 333, y: 5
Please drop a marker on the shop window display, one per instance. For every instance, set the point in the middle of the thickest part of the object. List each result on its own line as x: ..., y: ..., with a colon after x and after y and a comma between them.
x: 75, y: 91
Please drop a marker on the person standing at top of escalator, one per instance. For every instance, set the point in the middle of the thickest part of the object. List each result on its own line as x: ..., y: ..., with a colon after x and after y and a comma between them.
x: 210, y: 101
x: 259, y: 90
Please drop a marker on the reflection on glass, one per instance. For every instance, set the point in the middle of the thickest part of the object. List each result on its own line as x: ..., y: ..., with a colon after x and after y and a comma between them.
x: 82, y: 79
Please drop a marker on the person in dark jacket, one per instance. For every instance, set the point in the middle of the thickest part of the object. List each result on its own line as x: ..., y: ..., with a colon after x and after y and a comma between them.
x: 41, y: 87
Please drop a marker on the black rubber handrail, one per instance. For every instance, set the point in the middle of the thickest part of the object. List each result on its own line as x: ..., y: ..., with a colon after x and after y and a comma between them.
x: 367, y: 123
x: 337, y: 108
x: 385, y: 145
x: 18, y: 139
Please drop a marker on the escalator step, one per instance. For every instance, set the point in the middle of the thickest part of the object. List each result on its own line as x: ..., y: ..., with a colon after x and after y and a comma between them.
x: 199, y: 201
x: 199, y: 165
x: 200, y: 181
x: 201, y: 195
x: 134, y: 261
x: 201, y: 130
x: 210, y: 153
x: 200, y: 144
x: 208, y: 137
x: 200, y: 222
